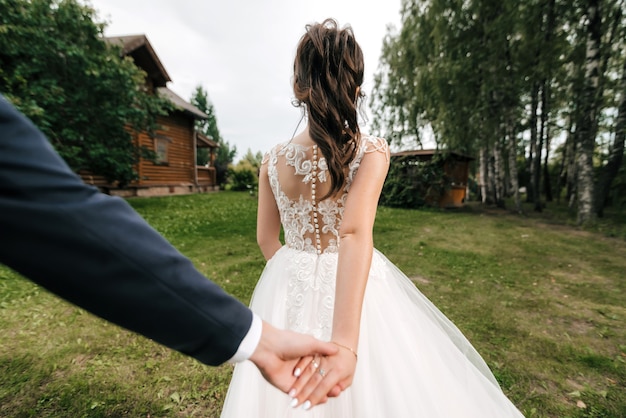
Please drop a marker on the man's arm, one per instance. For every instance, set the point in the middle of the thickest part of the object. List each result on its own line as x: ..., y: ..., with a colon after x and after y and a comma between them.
x: 97, y: 252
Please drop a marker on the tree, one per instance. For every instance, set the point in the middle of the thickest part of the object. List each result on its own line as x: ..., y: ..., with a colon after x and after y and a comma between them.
x: 452, y: 66
x: 609, y: 172
x: 226, y: 152
x: 200, y: 100
x: 613, y: 63
x: 505, y: 79
x: 587, y: 123
x: 255, y: 160
x: 56, y: 67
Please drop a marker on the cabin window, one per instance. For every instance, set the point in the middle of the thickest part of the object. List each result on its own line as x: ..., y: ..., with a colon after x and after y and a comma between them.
x: 161, y: 148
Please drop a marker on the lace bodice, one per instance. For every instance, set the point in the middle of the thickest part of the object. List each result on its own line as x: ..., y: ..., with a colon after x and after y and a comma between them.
x: 299, y: 177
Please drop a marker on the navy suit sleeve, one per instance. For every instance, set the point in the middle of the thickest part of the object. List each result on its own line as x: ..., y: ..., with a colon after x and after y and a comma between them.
x: 95, y: 251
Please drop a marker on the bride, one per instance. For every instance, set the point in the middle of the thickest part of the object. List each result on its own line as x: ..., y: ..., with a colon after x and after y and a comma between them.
x: 399, y: 356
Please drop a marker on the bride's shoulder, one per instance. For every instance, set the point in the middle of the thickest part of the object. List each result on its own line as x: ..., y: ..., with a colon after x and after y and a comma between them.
x: 370, y: 143
x: 275, y: 150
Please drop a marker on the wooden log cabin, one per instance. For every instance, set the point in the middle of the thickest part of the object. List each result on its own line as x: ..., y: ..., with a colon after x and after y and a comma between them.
x: 455, y: 168
x: 175, y: 142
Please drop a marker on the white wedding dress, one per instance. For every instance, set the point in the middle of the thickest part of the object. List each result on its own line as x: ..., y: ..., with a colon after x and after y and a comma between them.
x: 413, y: 362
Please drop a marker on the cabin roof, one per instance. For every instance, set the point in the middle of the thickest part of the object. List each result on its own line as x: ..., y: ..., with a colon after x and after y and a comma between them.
x: 144, y: 56
x: 140, y: 49
x: 180, y: 104
x: 204, y: 141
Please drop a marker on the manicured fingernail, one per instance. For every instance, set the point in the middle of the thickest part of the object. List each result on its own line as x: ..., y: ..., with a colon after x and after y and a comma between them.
x: 306, y: 406
x: 297, y: 372
x: 292, y: 393
x: 294, y: 402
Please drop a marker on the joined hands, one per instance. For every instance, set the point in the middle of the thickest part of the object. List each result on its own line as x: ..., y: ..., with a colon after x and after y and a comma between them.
x: 287, y: 360
x: 321, y: 377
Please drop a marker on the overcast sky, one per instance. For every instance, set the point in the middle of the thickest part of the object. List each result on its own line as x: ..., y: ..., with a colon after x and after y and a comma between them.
x: 242, y: 51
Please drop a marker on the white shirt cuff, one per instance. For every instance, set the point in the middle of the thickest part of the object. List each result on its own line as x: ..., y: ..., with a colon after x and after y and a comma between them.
x: 250, y: 341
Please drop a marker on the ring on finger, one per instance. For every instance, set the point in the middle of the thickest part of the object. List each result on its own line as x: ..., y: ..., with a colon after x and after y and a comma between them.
x: 314, y: 364
x: 322, y: 372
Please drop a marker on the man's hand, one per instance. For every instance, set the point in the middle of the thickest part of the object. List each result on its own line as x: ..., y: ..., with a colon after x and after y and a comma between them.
x: 279, y: 351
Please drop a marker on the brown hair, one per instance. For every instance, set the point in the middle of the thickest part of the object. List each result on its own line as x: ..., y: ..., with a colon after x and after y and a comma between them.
x: 328, y: 71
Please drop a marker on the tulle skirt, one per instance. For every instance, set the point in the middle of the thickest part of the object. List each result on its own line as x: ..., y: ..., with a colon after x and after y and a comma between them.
x: 413, y: 362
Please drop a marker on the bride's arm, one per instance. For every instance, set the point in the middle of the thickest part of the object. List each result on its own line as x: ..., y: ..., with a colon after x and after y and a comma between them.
x: 268, y: 217
x: 356, y: 247
x: 355, y: 256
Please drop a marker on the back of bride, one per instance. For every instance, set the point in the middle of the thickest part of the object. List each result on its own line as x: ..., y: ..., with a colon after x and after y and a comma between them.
x: 399, y: 356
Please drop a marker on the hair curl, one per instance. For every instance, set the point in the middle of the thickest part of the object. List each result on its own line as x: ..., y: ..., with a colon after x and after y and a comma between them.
x: 328, y: 73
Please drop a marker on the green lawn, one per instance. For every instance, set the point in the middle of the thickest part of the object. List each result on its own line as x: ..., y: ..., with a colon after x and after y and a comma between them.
x: 543, y: 301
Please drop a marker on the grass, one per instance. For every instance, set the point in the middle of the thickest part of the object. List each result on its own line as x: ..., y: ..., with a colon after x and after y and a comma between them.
x: 542, y: 301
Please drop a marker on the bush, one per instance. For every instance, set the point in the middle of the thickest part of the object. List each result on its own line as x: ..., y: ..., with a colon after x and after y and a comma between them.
x: 243, y: 176
x: 413, y: 184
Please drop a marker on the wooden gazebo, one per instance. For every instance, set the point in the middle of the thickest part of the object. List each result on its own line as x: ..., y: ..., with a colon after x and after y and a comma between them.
x: 455, y: 169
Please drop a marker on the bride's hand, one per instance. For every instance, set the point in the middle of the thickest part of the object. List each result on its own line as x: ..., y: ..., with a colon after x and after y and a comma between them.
x: 322, y: 377
x: 279, y: 352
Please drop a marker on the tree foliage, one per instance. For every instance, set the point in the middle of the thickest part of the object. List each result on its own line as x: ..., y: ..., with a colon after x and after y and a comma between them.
x: 255, y: 160
x: 226, y: 152
x: 501, y: 79
x: 56, y: 67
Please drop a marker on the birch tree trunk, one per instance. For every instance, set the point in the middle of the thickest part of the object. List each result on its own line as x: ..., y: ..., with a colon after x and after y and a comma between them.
x: 562, y: 178
x: 571, y: 175
x: 587, y: 125
x: 536, y: 168
x: 547, y: 181
x: 512, y: 150
x: 491, y: 184
x: 547, y: 59
x: 533, y: 153
x: 545, y: 121
x: 484, y: 175
x: 546, y: 105
x: 499, y: 173
x: 616, y: 156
